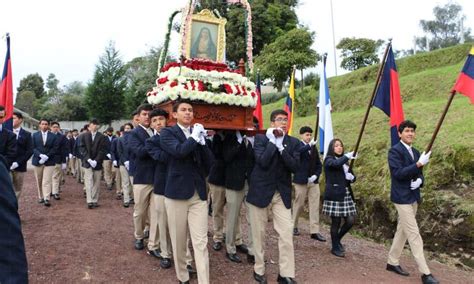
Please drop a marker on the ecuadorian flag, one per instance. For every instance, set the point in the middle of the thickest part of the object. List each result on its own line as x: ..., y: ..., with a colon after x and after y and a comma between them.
x: 290, y: 103
x: 6, y: 89
x: 465, y: 82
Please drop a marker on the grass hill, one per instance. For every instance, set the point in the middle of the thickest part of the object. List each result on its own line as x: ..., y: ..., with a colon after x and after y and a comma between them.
x: 447, y: 213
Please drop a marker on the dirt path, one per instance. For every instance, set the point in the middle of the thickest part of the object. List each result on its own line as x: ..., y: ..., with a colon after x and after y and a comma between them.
x: 68, y: 243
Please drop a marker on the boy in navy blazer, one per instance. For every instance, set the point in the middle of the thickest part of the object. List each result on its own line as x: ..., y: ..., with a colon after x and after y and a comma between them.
x: 185, y: 190
x: 406, y: 165
x: 124, y: 163
x: 7, y: 140
x: 277, y: 155
x: 60, y: 158
x: 24, y: 147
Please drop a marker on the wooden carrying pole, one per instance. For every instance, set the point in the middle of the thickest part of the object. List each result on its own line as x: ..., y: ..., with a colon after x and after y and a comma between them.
x: 377, y: 83
x: 440, y: 121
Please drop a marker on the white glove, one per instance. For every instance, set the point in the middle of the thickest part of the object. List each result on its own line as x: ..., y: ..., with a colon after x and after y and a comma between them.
x: 239, y: 137
x: 345, y: 167
x: 313, y: 142
x: 127, y: 165
x: 424, y: 158
x: 114, y: 163
x: 270, y: 135
x: 415, y: 184
x: 202, y: 140
x: 70, y: 156
x: 349, y: 177
x: 198, y: 131
x: 350, y: 156
x: 41, y: 161
x: 92, y: 163
x: 63, y: 166
x: 44, y: 157
x: 14, y: 166
x: 279, y: 143
x: 251, y: 139
x: 312, y: 178
x: 109, y: 156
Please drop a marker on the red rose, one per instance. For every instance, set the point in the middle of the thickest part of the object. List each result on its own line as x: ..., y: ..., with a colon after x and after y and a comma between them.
x: 174, y: 84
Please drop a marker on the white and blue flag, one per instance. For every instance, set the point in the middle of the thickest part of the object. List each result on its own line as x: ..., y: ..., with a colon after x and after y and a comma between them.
x: 325, y: 121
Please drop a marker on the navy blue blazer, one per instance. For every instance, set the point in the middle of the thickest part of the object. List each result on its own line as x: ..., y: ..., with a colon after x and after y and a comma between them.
x: 336, y: 182
x: 70, y: 145
x: 50, y: 149
x: 188, y: 165
x: 238, y: 162
x: 217, y: 172
x: 13, y: 265
x: 24, y: 149
x: 403, y: 170
x: 123, y: 151
x: 304, y: 171
x: 8, y: 146
x: 75, y: 151
x: 114, y: 152
x: 63, y: 151
x: 94, y: 150
x: 145, y: 165
x: 161, y: 158
x: 272, y: 170
x: 110, y: 140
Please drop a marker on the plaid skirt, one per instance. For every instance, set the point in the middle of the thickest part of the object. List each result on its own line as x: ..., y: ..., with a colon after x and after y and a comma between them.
x: 340, y: 208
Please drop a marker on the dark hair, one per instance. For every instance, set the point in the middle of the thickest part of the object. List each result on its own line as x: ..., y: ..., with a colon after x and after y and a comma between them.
x: 306, y: 129
x: 178, y: 103
x: 147, y: 107
x: 93, y: 121
x: 43, y: 119
x: 129, y: 124
x: 55, y: 123
x: 74, y: 130
x: 134, y: 113
x: 276, y: 112
x: 109, y: 129
x: 158, y: 112
x: 122, y: 128
x: 406, y: 124
x: 331, y: 148
x: 18, y: 114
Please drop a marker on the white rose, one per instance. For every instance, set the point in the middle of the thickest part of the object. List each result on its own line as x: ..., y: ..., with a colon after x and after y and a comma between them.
x: 185, y: 94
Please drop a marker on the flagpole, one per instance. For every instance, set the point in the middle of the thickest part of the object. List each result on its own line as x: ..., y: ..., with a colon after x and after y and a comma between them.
x: 377, y: 83
x: 316, y: 128
x: 440, y: 121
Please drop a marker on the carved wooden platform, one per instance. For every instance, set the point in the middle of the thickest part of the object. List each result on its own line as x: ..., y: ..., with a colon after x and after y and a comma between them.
x: 217, y: 116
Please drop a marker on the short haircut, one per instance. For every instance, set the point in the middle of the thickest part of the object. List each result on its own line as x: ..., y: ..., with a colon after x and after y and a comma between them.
x: 93, y: 121
x: 55, y: 123
x: 276, y: 112
x: 406, y: 124
x: 129, y: 124
x: 178, y: 103
x: 158, y: 112
x: 109, y: 129
x: 18, y: 114
x: 147, y: 107
x: 43, y: 119
x: 306, y: 129
x: 122, y: 128
x: 74, y: 130
x: 135, y: 112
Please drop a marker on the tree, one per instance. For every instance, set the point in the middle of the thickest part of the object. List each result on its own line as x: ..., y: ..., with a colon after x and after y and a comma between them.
x: 358, y: 52
x: 33, y: 83
x: 54, y: 93
x: 25, y: 102
x: 278, y: 58
x: 445, y: 30
x: 105, y: 94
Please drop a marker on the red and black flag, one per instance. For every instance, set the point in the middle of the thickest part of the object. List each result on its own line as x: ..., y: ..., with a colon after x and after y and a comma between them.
x: 257, y: 113
x: 465, y: 82
x: 388, y: 97
x: 6, y: 89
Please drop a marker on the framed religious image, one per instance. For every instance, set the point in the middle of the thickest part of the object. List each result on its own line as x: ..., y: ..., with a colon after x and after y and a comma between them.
x: 206, y: 37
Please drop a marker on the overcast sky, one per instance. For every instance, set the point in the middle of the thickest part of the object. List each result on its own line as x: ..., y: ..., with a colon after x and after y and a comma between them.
x: 67, y: 37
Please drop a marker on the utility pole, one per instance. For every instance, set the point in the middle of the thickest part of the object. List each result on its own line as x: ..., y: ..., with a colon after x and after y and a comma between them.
x: 333, y: 39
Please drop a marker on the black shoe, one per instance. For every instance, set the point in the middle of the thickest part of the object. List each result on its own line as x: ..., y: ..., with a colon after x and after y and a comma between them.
x: 260, y: 278
x: 126, y: 204
x: 397, y: 269
x: 318, y: 237
x: 233, y: 257
x: 139, y: 244
x: 429, y: 279
x: 46, y: 203
x: 296, y: 232
x: 56, y: 196
x: 109, y: 187
x: 285, y: 280
x: 191, y: 270
x: 95, y: 205
x: 242, y: 248
x: 146, y: 234
x: 119, y: 197
x: 90, y: 205
x: 132, y: 201
x: 341, y: 247
x: 165, y: 263
x: 337, y: 252
x: 41, y: 201
x: 156, y: 253
x: 185, y: 282
x: 251, y: 259
x: 217, y: 246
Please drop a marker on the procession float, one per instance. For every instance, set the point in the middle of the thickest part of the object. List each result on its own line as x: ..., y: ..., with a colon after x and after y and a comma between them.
x: 222, y: 97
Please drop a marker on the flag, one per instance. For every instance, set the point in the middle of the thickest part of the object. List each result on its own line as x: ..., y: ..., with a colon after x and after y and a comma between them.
x: 290, y: 102
x: 6, y: 89
x: 387, y: 97
x: 324, y: 106
x: 465, y: 82
x: 257, y: 113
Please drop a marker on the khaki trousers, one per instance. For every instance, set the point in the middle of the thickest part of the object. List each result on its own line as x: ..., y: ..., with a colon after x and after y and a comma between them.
x: 17, y: 179
x: 108, y: 172
x: 92, y: 184
x: 233, y: 237
x: 44, y: 181
x: 72, y: 166
x: 218, y: 202
x: 79, y: 171
x: 283, y: 226
x: 126, y: 184
x: 132, y: 195
x: 192, y: 214
x: 118, y: 180
x: 142, y: 194
x: 313, y: 193
x: 154, y: 236
x: 407, y: 228
x: 57, y: 178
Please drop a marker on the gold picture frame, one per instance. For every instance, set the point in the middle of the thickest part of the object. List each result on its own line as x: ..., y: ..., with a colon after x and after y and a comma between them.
x: 206, y: 37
